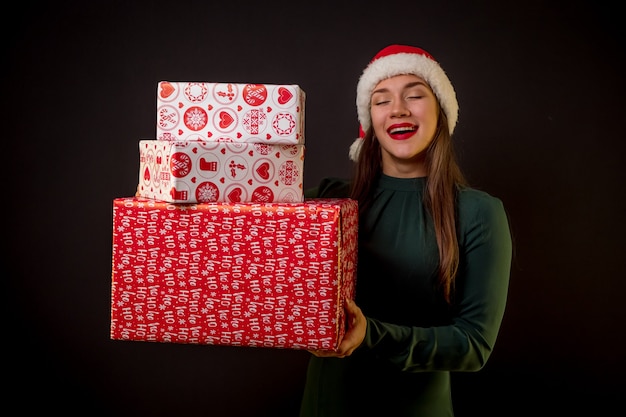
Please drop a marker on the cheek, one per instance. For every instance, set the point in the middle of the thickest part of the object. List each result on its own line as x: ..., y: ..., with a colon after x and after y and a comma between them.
x: 377, y: 116
x: 378, y: 119
x: 379, y: 128
x: 426, y: 109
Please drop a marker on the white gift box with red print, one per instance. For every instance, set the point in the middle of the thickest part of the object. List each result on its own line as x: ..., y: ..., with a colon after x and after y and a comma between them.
x: 264, y: 113
x: 258, y: 275
x: 206, y: 172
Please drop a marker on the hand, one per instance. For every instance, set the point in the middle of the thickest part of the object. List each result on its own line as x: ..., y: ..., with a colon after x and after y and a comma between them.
x: 355, y: 333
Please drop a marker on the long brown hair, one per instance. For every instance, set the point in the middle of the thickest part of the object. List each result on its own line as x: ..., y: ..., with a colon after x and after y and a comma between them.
x: 442, y: 184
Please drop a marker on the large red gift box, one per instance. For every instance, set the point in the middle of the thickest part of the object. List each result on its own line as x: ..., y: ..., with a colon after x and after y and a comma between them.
x: 207, y: 172
x: 260, y: 275
x: 263, y: 113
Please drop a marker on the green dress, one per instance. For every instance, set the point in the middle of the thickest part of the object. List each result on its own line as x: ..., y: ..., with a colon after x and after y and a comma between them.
x: 414, y: 339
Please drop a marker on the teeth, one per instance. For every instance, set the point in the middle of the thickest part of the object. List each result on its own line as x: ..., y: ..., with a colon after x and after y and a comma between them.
x: 402, y: 130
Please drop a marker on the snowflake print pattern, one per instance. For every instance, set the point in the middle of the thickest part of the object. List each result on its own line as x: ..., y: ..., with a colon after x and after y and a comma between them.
x: 196, y: 118
x: 207, y: 192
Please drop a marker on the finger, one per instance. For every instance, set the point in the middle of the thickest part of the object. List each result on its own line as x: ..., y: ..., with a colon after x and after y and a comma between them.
x: 322, y: 353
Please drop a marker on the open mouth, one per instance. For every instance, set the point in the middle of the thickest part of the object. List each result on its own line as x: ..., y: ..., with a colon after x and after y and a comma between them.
x: 401, y: 131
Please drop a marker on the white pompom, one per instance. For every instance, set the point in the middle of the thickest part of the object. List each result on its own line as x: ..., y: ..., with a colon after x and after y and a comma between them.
x: 355, y: 148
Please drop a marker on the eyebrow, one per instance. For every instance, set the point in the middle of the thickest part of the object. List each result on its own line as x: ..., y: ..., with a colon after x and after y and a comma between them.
x: 408, y: 85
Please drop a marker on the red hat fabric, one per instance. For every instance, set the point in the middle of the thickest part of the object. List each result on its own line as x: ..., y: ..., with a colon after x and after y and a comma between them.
x: 396, y: 60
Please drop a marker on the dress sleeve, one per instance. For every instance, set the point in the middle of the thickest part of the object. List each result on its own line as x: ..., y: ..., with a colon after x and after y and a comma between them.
x: 466, y: 343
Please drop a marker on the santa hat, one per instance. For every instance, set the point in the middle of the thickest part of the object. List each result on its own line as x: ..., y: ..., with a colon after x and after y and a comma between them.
x: 397, y: 60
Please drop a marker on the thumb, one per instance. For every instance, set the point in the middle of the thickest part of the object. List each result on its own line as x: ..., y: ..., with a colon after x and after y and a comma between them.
x: 351, y: 307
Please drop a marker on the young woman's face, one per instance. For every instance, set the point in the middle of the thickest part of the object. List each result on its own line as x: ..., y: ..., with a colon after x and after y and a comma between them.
x: 404, y: 114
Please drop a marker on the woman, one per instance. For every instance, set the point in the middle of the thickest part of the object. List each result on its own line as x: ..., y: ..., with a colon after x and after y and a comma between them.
x: 434, y: 254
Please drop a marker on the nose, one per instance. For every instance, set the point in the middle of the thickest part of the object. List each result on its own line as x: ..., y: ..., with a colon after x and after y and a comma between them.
x: 399, y: 109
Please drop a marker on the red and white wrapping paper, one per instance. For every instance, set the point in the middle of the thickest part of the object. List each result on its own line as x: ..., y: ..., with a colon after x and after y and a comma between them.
x: 206, y: 172
x: 264, y: 113
x: 259, y: 275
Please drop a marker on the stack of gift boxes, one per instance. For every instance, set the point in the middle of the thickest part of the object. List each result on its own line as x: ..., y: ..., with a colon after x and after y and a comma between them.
x: 219, y: 245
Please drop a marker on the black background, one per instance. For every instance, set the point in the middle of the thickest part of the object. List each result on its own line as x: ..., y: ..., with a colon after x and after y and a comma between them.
x: 540, y: 87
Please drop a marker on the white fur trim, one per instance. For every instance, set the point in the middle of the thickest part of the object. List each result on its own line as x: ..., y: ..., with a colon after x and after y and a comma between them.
x: 355, y: 148
x: 406, y: 63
